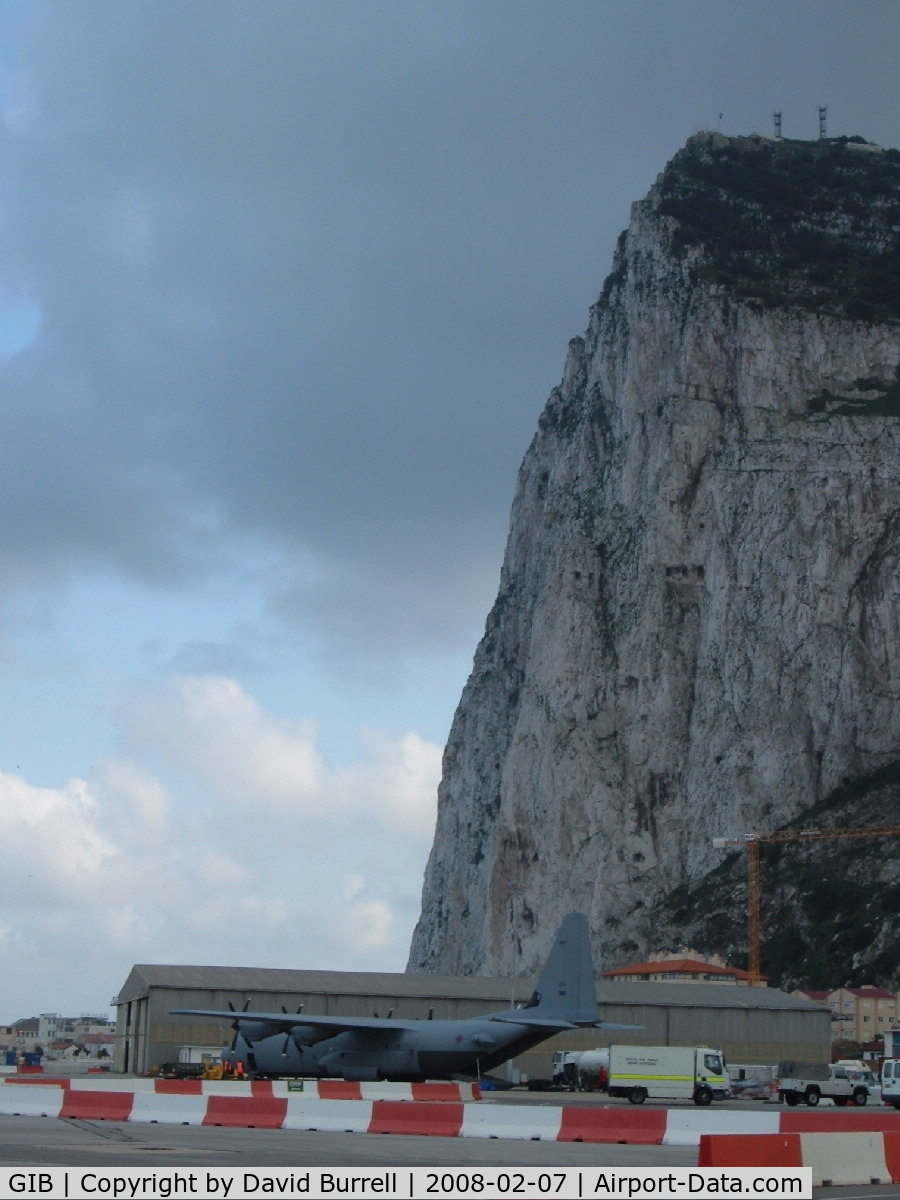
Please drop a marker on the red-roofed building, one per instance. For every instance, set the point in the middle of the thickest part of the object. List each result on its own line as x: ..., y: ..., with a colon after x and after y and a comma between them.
x: 689, y: 967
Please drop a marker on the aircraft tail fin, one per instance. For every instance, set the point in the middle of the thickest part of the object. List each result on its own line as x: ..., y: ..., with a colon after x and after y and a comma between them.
x: 566, y: 989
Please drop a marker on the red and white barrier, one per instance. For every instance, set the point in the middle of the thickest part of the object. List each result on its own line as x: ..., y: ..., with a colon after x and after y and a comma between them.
x: 525, y: 1122
x: 839, y: 1159
x: 627, y: 1124
x: 328, y: 1116
x: 270, y: 1105
x: 105, y: 1105
x: 685, y: 1126
x: 435, y: 1091
x: 31, y: 1101
x: 168, y: 1108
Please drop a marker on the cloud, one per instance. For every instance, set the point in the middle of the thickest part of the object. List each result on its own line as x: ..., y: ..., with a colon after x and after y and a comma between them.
x: 249, y: 290
x: 210, y: 728
x: 104, y: 850
x: 363, y: 922
x: 255, y: 848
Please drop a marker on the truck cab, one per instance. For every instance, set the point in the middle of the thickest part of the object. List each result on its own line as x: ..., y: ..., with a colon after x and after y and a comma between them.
x: 890, y: 1081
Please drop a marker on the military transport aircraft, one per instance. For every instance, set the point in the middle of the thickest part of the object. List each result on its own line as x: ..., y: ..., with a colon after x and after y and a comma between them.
x: 371, y: 1048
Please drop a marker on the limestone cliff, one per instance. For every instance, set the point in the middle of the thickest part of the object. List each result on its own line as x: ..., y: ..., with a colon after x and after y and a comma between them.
x: 697, y: 630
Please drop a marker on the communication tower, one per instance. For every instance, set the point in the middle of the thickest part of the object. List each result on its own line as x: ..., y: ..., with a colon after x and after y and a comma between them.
x: 776, y: 118
x: 823, y: 109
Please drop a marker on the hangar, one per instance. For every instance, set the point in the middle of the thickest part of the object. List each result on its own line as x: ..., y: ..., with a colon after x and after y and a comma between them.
x: 751, y: 1025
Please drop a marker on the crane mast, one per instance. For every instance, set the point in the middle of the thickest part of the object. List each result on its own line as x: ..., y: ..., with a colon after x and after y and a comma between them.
x: 753, y: 841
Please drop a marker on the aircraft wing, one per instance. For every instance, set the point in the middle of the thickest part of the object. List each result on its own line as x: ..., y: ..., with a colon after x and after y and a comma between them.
x: 521, y: 1017
x: 282, y: 1022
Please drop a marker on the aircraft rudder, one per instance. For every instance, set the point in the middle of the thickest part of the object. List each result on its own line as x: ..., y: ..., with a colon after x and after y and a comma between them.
x: 566, y: 987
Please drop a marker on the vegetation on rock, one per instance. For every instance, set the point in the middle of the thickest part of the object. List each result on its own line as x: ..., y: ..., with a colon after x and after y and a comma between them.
x: 814, y: 225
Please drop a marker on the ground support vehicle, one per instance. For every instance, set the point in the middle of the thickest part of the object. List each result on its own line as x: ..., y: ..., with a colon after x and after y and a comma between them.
x: 592, y: 1071
x: 581, y: 1070
x: 668, y: 1073
x: 822, y: 1082
x: 890, y: 1081
x: 565, y: 1067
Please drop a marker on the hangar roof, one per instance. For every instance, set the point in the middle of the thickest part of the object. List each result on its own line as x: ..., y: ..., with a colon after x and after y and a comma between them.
x: 279, y: 979
x: 146, y: 976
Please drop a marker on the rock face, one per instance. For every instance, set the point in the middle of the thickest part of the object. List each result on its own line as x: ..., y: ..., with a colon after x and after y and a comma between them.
x: 697, y: 630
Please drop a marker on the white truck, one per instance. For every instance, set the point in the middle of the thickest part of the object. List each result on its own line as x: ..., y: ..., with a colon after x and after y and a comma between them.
x: 565, y: 1068
x: 584, y: 1070
x: 890, y: 1081
x: 890, y: 1068
x: 668, y: 1073
x: 812, y: 1082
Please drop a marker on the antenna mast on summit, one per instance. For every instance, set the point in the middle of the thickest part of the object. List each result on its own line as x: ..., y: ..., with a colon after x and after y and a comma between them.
x: 823, y: 109
x: 776, y: 118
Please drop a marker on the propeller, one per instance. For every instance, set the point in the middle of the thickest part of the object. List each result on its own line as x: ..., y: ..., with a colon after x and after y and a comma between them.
x: 236, y: 1026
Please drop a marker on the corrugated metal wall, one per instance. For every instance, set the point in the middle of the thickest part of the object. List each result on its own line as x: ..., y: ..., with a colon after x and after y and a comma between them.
x: 746, y: 1035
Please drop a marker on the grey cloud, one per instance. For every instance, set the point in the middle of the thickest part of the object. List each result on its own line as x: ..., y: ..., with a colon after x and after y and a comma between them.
x: 307, y: 272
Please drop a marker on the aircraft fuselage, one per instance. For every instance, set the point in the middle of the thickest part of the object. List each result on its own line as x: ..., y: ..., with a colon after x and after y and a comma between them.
x: 440, y: 1050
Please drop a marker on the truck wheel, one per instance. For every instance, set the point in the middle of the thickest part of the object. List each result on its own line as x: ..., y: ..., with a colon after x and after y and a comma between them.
x: 813, y: 1096
x: 703, y: 1097
x: 637, y: 1095
x: 790, y: 1099
x: 860, y: 1096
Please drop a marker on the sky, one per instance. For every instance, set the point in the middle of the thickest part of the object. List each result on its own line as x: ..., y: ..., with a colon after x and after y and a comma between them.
x: 284, y: 287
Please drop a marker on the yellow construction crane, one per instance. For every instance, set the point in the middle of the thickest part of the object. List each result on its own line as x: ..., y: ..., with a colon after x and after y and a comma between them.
x: 753, y: 841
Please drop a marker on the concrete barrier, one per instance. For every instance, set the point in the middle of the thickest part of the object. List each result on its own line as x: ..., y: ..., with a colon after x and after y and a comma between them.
x: 631, y: 1126
x: 31, y: 1101
x: 525, y: 1122
x: 169, y: 1108
x: 892, y: 1154
x: 450, y: 1093
x: 178, y: 1087
x: 270, y: 1104
x: 684, y: 1126
x: 36, y: 1080
x: 841, y: 1120
x: 247, y: 1112
x: 112, y: 1083
x: 318, y: 1089
x: 845, y: 1158
x: 426, y: 1118
x: 750, y: 1150
x: 330, y: 1116
x: 233, y: 1087
x: 837, y: 1159
x: 92, y: 1105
